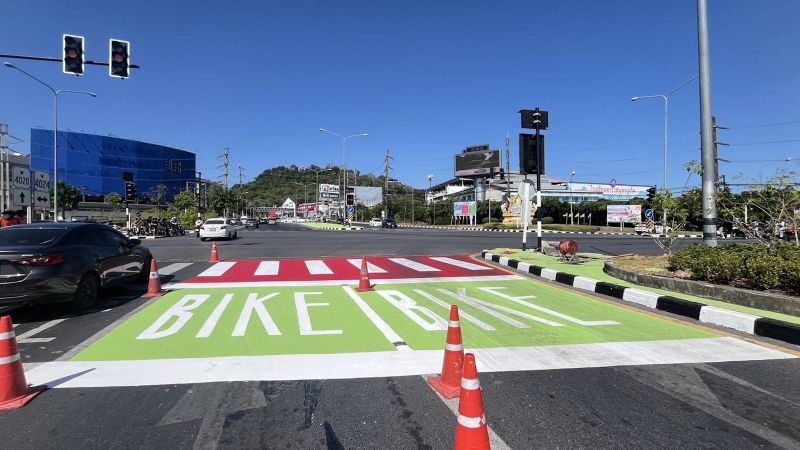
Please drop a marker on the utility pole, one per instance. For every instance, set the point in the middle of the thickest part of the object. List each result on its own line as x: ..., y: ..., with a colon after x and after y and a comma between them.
x: 706, y: 129
x: 241, y: 186
x: 386, y: 184
x: 4, y: 176
x: 225, y: 165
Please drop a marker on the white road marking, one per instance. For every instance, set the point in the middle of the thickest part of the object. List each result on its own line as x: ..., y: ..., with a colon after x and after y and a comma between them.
x: 413, y: 265
x: 218, y: 269
x: 268, y: 268
x: 26, y: 337
x: 459, y: 263
x: 318, y: 267
x: 253, y: 284
x: 376, y: 320
x: 83, y: 374
x: 172, y: 268
x: 468, y: 317
x: 371, y: 267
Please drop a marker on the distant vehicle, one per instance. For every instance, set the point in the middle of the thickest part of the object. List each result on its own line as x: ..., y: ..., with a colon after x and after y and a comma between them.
x: 272, y: 221
x: 66, y: 261
x: 389, y: 223
x: 219, y: 228
x: 263, y: 220
x: 640, y: 228
x: 251, y: 223
x: 375, y: 222
x: 658, y: 229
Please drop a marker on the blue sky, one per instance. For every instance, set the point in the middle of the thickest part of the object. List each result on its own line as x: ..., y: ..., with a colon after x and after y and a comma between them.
x: 424, y: 79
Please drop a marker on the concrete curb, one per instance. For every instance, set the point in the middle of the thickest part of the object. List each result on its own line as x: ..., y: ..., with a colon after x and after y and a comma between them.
x: 546, y: 231
x: 747, y: 323
x: 336, y: 229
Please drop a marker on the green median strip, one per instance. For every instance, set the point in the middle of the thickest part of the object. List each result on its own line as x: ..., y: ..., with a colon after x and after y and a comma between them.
x: 594, y: 269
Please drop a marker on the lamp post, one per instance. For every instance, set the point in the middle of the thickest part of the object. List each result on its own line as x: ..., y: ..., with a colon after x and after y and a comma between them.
x: 433, y: 200
x: 571, y: 220
x: 666, y: 126
x: 344, y: 171
x: 56, y: 93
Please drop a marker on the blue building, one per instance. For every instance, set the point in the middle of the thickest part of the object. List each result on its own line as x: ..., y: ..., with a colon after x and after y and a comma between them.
x: 100, y: 163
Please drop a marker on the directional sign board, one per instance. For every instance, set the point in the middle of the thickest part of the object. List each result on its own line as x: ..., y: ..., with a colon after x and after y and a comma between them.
x: 20, y: 197
x: 42, y: 181
x: 21, y: 177
x: 41, y: 199
x: 648, y: 214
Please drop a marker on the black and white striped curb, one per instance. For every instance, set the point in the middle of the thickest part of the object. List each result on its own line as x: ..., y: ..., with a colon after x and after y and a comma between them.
x: 337, y: 229
x: 748, y: 323
x: 548, y: 231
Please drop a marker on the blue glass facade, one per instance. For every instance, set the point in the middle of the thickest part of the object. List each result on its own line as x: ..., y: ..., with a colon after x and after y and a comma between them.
x: 98, y: 162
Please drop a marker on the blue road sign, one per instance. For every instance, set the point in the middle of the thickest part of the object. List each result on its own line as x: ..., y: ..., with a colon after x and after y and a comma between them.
x: 351, y: 209
x: 648, y: 213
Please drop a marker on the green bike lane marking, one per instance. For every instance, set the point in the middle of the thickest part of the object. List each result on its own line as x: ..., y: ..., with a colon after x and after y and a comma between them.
x: 203, y: 323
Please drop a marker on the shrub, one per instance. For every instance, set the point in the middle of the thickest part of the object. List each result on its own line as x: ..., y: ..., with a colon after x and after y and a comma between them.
x: 547, y: 220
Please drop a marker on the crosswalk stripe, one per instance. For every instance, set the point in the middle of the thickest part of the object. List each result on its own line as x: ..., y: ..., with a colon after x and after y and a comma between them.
x: 218, y: 269
x: 371, y: 267
x: 268, y: 268
x: 459, y: 263
x: 318, y: 267
x: 413, y: 265
x: 172, y: 268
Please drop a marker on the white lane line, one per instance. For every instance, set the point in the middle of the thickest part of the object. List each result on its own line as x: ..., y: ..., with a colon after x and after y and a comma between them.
x: 371, y: 267
x: 75, y: 374
x: 218, y: 269
x: 268, y: 268
x: 172, y: 268
x: 318, y: 267
x: 459, y: 263
x: 25, y: 338
x: 253, y: 284
x: 376, y: 320
x: 413, y: 265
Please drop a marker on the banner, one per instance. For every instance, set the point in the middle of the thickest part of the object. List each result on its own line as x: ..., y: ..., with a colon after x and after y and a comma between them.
x: 624, y: 213
x: 465, y: 209
x: 329, y: 192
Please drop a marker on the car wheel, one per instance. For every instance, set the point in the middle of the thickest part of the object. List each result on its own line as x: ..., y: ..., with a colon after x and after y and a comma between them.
x: 203, y: 239
x: 87, y: 292
x: 144, y: 274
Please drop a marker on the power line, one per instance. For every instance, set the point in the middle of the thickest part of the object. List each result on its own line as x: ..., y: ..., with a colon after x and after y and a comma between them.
x: 765, y: 125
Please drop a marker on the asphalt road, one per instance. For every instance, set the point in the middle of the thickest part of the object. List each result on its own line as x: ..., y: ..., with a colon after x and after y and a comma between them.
x: 730, y: 405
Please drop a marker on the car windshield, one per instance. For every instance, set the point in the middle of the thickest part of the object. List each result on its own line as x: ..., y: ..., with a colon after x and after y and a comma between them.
x: 25, y: 236
x: 214, y: 222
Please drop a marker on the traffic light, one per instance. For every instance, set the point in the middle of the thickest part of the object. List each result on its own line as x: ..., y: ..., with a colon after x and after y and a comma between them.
x: 130, y: 191
x: 119, y: 58
x: 531, y: 153
x: 73, y: 54
x: 651, y: 193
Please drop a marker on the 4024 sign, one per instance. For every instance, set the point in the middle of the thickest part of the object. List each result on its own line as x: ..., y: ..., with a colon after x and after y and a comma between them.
x: 42, y: 182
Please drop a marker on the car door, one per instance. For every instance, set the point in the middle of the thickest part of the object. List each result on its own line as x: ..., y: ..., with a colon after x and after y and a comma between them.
x: 122, y: 262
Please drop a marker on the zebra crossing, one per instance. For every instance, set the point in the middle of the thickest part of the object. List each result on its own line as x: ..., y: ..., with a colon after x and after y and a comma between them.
x: 329, y: 271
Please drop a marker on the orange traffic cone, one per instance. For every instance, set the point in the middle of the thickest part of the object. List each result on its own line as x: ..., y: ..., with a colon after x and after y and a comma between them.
x: 448, y: 384
x: 14, y: 390
x: 363, y: 283
x: 471, y: 430
x: 214, y: 255
x: 154, y: 286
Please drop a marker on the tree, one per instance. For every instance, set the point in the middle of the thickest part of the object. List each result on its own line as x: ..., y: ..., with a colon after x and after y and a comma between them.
x: 113, y: 199
x: 158, y: 194
x: 222, y: 200
x: 68, y: 196
x: 185, y: 200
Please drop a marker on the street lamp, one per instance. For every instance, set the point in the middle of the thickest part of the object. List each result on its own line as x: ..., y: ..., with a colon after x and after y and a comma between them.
x: 56, y: 93
x: 666, y: 122
x: 571, y: 220
x: 433, y: 200
x: 344, y: 171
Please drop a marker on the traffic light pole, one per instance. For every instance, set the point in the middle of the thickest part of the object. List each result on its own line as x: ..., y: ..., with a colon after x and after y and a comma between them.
x: 538, y: 197
x: 48, y: 59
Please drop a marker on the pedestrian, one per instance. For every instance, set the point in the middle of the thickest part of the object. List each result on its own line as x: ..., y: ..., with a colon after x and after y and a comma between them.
x: 7, y: 219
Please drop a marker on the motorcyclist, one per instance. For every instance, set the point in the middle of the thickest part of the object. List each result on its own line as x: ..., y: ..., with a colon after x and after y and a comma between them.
x: 197, y: 224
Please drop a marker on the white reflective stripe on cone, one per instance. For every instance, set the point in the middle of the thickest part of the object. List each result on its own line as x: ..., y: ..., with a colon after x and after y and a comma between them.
x: 153, y: 274
x: 7, y: 335
x: 471, y: 422
x: 455, y: 324
x: 470, y: 384
x: 454, y: 347
x: 9, y: 359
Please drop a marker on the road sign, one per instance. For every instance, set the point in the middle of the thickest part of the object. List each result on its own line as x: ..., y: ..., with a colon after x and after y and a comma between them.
x: 351, y: 209
x: 20, y: 197
x: 648, y: 214
x: 42, y: 181
x: 41, y: 199
x: 22, y: 177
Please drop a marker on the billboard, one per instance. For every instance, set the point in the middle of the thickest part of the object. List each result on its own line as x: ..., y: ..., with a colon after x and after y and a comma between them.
x: 624, y: 214
x: 369, y: 195
x: 464, y: 209
x: 329, y: 192
x: 611, y: 191
x: 477, y: 163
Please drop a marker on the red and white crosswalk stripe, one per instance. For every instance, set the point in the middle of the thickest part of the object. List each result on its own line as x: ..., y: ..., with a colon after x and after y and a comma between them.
x: 333, y: 271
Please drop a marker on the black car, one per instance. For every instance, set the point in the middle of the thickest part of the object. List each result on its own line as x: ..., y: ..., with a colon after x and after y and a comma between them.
x: 389, y: 223
x: 66, y: 261
x: 251, y: 222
